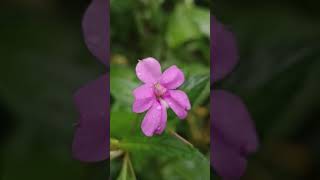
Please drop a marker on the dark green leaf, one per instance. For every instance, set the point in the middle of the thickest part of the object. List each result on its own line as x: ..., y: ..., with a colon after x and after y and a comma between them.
x: 166, y: 145
x: 198, y: 88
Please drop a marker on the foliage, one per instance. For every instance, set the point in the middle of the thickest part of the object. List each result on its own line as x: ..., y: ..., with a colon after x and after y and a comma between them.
x: 174, y: 32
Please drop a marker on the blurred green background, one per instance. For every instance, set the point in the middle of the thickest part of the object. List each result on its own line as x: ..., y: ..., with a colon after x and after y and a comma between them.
x: 175, y: 33
x: 43, y: 62
x: 278, y: 78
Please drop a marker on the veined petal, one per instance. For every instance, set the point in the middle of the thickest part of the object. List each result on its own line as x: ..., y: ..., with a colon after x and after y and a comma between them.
x: 148, y: 70
x: 163, y: 120
x: 144, y: 91
x: 179, y: 110
x: 172, y: 78
x: 181, y: 98
x: 151, y: 120
x: 141, y: 105
x: 143, y: 98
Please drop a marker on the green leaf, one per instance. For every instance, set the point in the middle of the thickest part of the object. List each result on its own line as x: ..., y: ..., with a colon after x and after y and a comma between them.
x: 197, y: 88
x: 122, y: 83
x: 201, y: 17
x: 123, y: 123
x: 181, y: 28
x: 173, y: 152
x: 187, y: 169
x: 188, y: 22
x: 166, y: 144
x: 192, y: 69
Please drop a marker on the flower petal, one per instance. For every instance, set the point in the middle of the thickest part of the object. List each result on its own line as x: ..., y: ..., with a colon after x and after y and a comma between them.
x: 148, y: 70
x: 227, y: 162
x: 151, y: 120
x: 163, y: 120
x: 181, y: 98
x: 144, y: 91
x: 233, y: 121
x: 172, y: 78
x: 224, y: 51
x: 91, y: 141
x: 178, y: 109
x: 95, y: 29
x: 143, y: 98
x: 141, y: 105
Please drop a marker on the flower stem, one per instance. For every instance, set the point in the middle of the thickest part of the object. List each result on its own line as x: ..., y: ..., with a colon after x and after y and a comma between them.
x: 180, y: 137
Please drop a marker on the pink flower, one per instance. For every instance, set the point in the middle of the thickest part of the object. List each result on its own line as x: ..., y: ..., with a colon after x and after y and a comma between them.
x: 157, y: 94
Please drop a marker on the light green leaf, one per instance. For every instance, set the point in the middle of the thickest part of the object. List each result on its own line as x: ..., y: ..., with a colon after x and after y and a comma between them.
x: 201, y: 17
x: 187, y: 23
x: 181, y: 28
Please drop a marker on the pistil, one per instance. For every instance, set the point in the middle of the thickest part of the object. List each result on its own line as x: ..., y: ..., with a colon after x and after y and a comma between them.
x: 159, y: 90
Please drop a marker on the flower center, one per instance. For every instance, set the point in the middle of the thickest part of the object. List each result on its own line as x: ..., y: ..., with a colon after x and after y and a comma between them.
x: 159, y: 90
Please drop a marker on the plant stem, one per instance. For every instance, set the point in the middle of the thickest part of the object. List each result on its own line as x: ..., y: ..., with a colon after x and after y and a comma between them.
x: 180, y: 137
